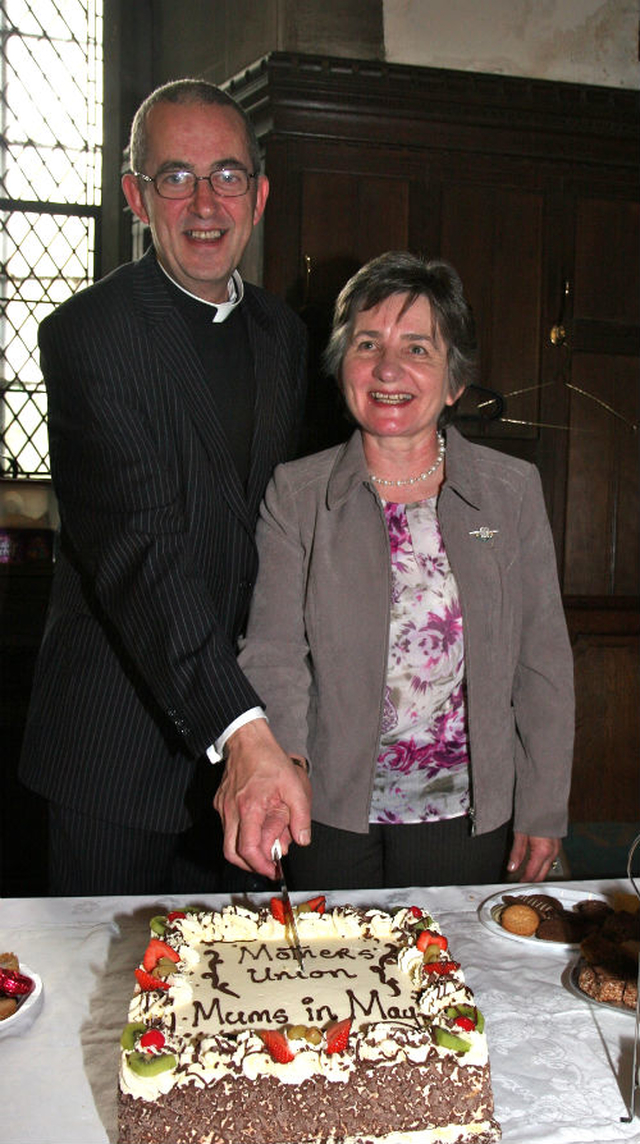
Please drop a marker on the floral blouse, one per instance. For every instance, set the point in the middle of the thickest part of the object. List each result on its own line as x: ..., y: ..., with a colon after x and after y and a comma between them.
x: 422, y: 772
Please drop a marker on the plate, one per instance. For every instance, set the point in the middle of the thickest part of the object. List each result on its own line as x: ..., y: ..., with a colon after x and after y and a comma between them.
x: 28, y: 1010
x: 567, y: 898
x: 570, y: 979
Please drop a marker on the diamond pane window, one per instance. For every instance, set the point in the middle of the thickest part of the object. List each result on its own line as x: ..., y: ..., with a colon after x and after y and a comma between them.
x: 50, y: 177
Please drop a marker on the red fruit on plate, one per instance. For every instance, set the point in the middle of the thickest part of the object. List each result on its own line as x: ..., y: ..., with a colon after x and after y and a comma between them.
x: 146, y: 981
x: 277, y: 910
x: 171, y: 917
x: 14, y: 984
x: 155, y: 950
x: 277, y: 1045
x: 416, y: 911
x: 337, y: 1036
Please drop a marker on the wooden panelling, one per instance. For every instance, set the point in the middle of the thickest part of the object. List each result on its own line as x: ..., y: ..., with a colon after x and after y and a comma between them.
x: 606, y: 771
x: 343, y: 217
x: 602, y: 541
x: 494, y: 237
x: 607, y: 276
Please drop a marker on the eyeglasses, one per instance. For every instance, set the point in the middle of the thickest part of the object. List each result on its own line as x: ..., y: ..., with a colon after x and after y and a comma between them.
x: 228, y: 182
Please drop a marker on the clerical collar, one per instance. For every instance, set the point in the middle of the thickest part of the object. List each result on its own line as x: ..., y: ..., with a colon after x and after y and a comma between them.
x: 221, y: 310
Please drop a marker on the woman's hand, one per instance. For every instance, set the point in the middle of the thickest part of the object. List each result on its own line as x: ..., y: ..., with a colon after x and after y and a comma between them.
x: 263, y: 796
x: 536, y: 855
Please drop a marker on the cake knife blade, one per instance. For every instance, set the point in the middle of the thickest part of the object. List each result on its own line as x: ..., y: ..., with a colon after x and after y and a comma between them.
x: 276, y: 854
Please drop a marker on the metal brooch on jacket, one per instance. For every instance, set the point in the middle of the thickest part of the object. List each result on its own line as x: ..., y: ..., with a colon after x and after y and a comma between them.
x: 484, y: 533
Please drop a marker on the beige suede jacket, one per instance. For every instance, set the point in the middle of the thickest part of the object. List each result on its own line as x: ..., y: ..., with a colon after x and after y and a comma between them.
x: 317, y: 637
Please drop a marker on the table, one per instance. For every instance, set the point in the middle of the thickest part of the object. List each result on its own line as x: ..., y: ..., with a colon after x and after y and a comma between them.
x: 561, y: 1066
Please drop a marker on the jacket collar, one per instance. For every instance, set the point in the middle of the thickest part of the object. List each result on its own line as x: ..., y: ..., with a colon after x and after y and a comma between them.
x: 350, y: 469
x: 461, y: 469
x: 153, y: 297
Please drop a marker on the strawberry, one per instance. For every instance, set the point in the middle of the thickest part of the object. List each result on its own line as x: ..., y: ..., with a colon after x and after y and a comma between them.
x: 318, y: 905
x: 152, y: 1039
x: 277, y: 910
x: 465, y: 1023
x: 277, y: 1045
x: 416, y: 911
x: 337, y: 1036
x: 171, y: 917
x: 443, y: 967
x: 155, y: 950
x: 428, y: 937
x: 147, y: 981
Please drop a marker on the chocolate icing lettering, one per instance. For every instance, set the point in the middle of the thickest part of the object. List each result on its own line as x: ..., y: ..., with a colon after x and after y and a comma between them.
x: 374, y: 1005
x: 230, y: 1017
x: 215, y: 959
x: 258, y: 976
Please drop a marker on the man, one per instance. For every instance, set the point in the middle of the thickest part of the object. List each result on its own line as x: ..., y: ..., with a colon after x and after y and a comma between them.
x: 174, y: 388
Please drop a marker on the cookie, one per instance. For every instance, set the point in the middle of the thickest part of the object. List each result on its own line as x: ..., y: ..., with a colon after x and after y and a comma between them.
x: 565, y: 927
x: 520, y: 919
x: 8, y: 1006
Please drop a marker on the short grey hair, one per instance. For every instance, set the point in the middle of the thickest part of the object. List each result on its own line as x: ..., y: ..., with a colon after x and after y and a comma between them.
x: 197, y: 91
x: 400, y: 272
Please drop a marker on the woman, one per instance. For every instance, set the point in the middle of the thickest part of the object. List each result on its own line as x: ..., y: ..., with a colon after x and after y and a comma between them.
x: 407, y: 632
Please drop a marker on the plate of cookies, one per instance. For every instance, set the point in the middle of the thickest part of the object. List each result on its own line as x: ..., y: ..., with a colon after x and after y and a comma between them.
x: 561, y: 919
x: 21, y: 995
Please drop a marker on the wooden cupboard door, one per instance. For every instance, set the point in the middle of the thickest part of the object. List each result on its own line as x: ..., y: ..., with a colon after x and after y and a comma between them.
x: 602, y: 541
x: 602, y: 532
x: 346, y: 219
x: 607, y: 745
x: 493, y: 235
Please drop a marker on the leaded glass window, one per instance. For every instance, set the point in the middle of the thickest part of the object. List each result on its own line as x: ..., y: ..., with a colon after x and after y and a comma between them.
x: 50, y: 176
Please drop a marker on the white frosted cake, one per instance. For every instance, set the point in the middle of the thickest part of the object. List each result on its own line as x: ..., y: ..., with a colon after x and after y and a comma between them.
x: 228, y: 1041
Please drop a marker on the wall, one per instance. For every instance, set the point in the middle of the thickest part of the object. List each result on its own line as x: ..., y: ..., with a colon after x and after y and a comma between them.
x: 219, y: 38
x: 579, y: 41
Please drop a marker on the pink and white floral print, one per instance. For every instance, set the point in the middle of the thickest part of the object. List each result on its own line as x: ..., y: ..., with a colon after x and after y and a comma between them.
x: 422, y: 773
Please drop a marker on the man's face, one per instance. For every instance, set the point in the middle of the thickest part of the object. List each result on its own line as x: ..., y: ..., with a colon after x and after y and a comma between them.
x: 199, y: 240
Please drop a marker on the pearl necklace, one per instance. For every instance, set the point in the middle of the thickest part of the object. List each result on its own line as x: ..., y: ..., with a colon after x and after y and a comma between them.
x: 421, y: 476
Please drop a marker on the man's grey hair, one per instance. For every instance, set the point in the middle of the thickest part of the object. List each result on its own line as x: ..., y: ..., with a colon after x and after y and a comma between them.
x: 197, y: 91
x: 400, y: 272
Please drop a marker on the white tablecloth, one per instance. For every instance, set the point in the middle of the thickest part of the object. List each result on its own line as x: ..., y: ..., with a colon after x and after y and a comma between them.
x: 561, y: 1066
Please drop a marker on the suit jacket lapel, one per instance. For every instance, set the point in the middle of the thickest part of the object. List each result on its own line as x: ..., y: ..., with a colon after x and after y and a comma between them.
x: 180, y: 360
x: 265, y: 357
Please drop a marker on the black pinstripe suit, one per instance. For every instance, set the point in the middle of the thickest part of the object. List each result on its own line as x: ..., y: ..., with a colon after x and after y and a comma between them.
x: 137, y: 674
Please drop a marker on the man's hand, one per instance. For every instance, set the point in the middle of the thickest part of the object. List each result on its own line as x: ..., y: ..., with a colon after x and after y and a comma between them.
x: 536, y: 854
x: 262, y: 796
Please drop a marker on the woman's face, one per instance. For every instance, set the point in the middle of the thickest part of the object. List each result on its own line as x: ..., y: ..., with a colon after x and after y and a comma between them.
x: 394, y: 372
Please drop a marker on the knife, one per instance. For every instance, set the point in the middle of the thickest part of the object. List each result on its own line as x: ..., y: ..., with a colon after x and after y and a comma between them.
x: 276, y: 854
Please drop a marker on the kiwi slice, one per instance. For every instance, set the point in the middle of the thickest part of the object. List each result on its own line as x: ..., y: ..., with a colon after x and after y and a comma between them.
x: 449, y: 1040
x: 158, y: 924
x: 129, y: 1034
x: 147, y: 1064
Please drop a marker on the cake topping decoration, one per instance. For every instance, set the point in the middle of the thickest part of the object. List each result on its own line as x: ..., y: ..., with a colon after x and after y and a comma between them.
x: 147, y: 981
x: 277, y: 1045
x: 338, y: 1036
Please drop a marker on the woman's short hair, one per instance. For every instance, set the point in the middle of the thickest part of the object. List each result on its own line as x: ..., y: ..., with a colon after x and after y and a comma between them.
x: 400, y: 272
x: 197, y: 91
